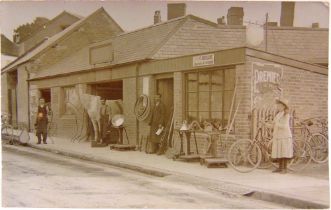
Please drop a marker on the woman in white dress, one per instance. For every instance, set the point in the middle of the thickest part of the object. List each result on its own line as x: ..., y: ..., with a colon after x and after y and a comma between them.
x: 282, y: 143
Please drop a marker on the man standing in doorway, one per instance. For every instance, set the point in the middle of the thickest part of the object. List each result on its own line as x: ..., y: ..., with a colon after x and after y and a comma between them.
x: 156, y: 123
x: 105, y: 118
x: 42, y: 121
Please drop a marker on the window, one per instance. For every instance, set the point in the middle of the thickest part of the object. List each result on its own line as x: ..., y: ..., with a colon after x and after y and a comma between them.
x: 209, y: 95
x: 68, y: 96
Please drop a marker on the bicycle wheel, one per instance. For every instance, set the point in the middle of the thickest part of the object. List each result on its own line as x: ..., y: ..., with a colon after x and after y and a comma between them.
x: 7, y: 133
x: 244, y: 156
x: 301, y: 156
x: 319, y: 147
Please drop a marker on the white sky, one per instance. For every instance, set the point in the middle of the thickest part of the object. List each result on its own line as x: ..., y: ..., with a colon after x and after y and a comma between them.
x: 131, y: 15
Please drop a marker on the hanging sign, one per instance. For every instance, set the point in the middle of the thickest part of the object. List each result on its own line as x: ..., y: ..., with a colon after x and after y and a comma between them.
x: 203, y: 60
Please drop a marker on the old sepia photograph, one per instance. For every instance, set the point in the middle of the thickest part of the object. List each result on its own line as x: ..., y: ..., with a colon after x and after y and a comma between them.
x: 164, y: 104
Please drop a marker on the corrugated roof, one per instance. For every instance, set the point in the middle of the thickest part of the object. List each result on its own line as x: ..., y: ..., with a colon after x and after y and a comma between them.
x: 48, y: 43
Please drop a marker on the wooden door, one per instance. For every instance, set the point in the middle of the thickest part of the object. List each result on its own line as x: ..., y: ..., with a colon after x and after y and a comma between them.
x: 165, y: 87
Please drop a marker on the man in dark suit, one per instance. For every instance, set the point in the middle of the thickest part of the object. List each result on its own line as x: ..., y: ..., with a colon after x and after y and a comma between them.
x: 157, y: 122
x: 42, y: 121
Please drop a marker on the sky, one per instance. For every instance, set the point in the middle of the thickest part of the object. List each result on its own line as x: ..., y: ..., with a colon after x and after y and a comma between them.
x: 134, y: 14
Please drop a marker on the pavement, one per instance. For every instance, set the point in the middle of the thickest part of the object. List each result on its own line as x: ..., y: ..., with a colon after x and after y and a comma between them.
x: 305, y: 189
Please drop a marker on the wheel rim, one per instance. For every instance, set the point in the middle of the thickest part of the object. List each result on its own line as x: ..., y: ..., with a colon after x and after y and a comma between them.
x: 301, y: 156
x: 319, y: 148
x: 244, y: 156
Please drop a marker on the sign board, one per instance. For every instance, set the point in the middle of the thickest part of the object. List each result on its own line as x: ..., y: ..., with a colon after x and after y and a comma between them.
x: 203, y: 60
x: 266, y: 83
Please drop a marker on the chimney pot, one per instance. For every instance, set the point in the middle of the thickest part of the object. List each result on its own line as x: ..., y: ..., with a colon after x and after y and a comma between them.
x: 157, y: 17
x: 221, y: 21
x: 176, y: 10
x: 235, y: 16
x: 287, y: 14
x: 315, y: 25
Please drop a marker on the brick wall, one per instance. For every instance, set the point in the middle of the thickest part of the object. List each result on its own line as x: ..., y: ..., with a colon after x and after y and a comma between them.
x: 4, y: 92
x: 242, y: 124
x: 306, y: 44
x: 307, y: 91
x: 196, y: 37
x: 129, y: 99
x: 22, y: 95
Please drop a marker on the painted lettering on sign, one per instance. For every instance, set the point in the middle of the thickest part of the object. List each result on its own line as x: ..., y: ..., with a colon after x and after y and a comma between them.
x: 203, y: 60
x: 266, y: 83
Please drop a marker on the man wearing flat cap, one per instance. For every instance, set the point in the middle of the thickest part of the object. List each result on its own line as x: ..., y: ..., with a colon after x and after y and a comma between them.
x: 157, y: 121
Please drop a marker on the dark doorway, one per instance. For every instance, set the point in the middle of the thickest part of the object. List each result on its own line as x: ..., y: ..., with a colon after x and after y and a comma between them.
x: 165, y: 87
x: 109, y: 91
x: 46, y: 94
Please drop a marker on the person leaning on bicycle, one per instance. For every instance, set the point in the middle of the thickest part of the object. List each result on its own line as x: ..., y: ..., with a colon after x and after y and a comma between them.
x: 42, y: 121
x: 282, y: 142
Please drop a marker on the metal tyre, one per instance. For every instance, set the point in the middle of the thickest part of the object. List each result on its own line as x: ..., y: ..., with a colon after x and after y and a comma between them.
x: 301, y: 156
x: 319, y: 148
x: 244, y: 156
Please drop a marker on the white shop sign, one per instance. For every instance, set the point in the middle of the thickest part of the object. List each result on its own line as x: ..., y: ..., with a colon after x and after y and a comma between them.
x: 203, y: 60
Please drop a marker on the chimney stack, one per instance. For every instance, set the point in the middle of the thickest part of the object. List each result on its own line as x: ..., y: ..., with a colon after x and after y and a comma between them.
x: 221, y: 21
x: 235, y: 16
x: 176, y: 10
x: 315, y: 25
x: 287, y: 14
x: 157, y: 17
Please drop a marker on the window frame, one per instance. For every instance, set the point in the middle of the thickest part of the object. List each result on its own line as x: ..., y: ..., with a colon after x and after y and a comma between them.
x: 210, y: 91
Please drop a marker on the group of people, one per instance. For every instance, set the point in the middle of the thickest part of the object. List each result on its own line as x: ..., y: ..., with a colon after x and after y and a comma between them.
x: 282, y: 143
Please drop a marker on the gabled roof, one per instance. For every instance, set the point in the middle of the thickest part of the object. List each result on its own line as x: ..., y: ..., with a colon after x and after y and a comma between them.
x: 8, y: 47
x: 143, y: 43
x: 44, y: 46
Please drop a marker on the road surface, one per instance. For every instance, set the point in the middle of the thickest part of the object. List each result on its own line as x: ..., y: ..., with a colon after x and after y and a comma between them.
x: 42, y: 179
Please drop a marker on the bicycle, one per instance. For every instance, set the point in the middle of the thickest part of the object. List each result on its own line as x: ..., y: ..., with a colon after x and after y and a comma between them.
x: 318, y: 141
x: 7, y: 131
x: 246, y: 155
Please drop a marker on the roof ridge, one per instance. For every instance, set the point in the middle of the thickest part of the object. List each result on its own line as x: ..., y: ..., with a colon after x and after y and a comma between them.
x: 169, y: 35
x: 154, y: 25
x: 57, y: 39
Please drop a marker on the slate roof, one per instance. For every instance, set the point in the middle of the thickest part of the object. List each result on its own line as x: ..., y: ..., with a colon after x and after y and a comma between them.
x: 8, y: 47
x: 50, y: 42
x: 143, y: 43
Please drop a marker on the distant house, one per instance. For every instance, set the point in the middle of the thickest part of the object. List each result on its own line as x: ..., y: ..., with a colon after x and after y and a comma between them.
x: 9, y: 51
x: 50, y: 28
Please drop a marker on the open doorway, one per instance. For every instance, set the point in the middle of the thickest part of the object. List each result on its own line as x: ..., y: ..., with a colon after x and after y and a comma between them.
x: 46, y: 94
x: 165, y: 87
x: 109, y: 90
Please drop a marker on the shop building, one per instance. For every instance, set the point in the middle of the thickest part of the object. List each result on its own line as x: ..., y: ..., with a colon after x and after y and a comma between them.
x: 196, y: 65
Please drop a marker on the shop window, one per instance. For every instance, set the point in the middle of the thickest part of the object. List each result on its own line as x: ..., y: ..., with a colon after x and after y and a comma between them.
x: 209, y: 95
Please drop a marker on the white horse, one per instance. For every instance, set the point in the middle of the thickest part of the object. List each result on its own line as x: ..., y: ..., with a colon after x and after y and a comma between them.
x: 92, y: 105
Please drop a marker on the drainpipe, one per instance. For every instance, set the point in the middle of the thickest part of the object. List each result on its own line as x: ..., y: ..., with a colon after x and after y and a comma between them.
x: 28, y: 80
x: 137, y: 95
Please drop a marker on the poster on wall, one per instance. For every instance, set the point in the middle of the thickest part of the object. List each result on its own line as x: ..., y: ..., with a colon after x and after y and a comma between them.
x: 266, y: 84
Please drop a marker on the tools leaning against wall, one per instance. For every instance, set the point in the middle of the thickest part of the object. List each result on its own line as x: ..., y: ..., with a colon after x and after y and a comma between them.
x: 166, y: 134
